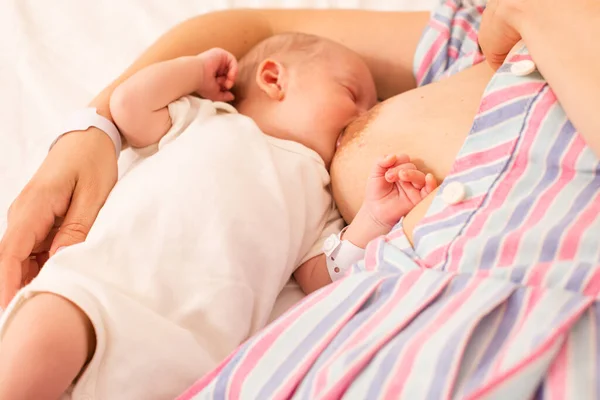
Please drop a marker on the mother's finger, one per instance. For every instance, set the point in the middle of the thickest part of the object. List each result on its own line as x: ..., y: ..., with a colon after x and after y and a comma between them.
x: 15, y: 248
x: 10, y: 278
x: 29, y: 218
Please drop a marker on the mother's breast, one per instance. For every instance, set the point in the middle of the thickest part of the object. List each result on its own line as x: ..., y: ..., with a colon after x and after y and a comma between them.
x: 429, y: 124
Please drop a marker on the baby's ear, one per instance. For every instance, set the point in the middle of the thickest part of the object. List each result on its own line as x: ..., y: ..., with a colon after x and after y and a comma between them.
x: 271, y: 77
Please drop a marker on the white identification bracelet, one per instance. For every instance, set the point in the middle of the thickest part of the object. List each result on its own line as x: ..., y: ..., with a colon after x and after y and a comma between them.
x: 341, y: 255
x: 84, y: 119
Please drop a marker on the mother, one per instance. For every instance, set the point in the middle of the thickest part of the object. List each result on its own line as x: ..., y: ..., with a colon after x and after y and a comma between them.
x: 494, y: 293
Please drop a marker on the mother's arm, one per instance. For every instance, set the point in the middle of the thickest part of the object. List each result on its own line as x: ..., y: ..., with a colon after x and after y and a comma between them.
x: 76, y: 177
x: 387, y: 40
x: 562, y: 38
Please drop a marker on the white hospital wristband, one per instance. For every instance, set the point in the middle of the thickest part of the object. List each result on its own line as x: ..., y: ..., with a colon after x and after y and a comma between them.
x: 83, y: 119
x: 340, y: 255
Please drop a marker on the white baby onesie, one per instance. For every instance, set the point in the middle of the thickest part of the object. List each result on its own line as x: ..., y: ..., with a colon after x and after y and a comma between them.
x: 190, y: 251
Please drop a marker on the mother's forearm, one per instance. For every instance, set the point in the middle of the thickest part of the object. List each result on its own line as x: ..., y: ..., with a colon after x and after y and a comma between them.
x: 562, y: 37
x: 234, y: 30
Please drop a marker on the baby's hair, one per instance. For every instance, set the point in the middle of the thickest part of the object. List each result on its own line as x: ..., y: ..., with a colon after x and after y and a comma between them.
x: 281, y: 47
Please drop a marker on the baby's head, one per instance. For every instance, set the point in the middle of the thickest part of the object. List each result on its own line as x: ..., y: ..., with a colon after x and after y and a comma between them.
x: 304, y: 88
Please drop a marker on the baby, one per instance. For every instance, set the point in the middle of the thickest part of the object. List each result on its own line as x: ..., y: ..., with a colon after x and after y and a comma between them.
x: 195, y: 242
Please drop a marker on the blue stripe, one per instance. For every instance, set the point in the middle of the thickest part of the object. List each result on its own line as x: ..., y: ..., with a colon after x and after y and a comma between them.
x: 434, y: 227
x: 511, y: 312
x: 396, y: 345
x: 578, y: 276
x: 529, y: 200
x: 479, y: 173
x: 306, y: 345
x: 553, y: 239
x: 440, y: 63
x: 372, y: 306
x: 443, y: 371
x: 471, y: 15
x: 518, y: 273
x: 221, y: 386
x: 487, y: 121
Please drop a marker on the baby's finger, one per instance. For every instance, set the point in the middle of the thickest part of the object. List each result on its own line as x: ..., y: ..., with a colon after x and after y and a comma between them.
x: 414, y: 176
x: 392, y: 174
x: 387, y: 161
x: 231, y: 73
x: 430, y: 184
x: 226, y: 96
x: 382, y: 165
x: 223, y: 83
x: 413, y: 194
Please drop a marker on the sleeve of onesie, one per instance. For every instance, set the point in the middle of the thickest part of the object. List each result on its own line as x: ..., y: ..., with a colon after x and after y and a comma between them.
x: 334, y: 225
x: 182, y: 112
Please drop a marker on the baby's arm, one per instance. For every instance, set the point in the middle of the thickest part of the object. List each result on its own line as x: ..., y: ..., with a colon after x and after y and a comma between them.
x: 393, y: 189
x: 139, y: 105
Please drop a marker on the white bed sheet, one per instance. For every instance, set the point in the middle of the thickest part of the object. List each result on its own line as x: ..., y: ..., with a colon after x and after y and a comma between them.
x: 55, y: 55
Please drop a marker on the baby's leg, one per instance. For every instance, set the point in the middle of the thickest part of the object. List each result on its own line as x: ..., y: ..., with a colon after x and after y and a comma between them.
x: 46, y: 344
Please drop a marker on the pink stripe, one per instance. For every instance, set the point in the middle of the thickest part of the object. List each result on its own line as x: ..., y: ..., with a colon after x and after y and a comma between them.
x: 461, y: 22
x: 502, y: 96
x: 437, y: 26
x: 469, y: 30
x: 436, y: 256
x: 557, y: 374
x: 592, y: 287
x: 473, y: 36
x: 431, y: 54
x: 505, y: 186
x: 269, y: 336
x: 403, y: 367
x: 533, y: 299
x: 203, y: 382
x: 395, y: 234
x: 479, y: 158
x: 572, y: 240
x: 291, y: 382
x: 452, y: 5
x: 354, y: 369
x: 537, y: 274
x: 510, y: 247
x: 519, y: 57
x: 466, y: 26
x: 368, y: 326
x: 450, y: 211
x: 456, y: 361
x: 453, y: 52
x: 559, y: 332
x: 371, y: 253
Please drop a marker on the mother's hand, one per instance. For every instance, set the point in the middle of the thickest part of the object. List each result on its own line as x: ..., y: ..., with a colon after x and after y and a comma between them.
x: 57, y: 207
x: 499, y: 29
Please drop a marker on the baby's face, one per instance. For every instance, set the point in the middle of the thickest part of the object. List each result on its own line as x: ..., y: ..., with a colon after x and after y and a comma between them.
x: 325, y: 96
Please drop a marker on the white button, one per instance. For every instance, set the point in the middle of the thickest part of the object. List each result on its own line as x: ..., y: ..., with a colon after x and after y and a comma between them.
x: 523, y: 67
x: 329, y: 244
x: 454, y: 193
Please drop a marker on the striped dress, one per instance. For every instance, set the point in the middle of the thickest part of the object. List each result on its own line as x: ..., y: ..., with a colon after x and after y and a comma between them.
x: 498, y: 296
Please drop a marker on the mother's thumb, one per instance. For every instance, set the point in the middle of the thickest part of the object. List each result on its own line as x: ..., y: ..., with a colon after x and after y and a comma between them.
x: 78, y: 221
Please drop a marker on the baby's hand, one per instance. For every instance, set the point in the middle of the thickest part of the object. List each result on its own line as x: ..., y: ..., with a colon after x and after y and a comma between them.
x: 219, y: 70
x: 394, y: 188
